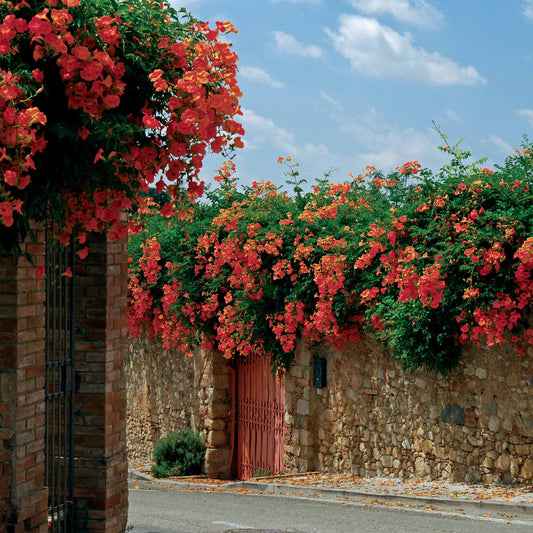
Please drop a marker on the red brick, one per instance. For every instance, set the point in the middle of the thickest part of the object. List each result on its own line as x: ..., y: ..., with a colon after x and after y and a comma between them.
x: 22, y: 465
x: 36, y: 347
x: 37, y: 297
x: 36, y: 396
x: 36, y: 371
x: 27, y: 335
x: 6, y: 433
x: 5, y: 455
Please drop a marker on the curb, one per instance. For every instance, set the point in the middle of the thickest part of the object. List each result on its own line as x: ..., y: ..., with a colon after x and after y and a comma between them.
x: 441, y: 504
x: 413, y: 502
x: 139, y: 476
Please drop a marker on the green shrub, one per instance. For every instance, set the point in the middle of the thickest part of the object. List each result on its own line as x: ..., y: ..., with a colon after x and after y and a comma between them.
x: 259, y: 472
x: 180, y: 453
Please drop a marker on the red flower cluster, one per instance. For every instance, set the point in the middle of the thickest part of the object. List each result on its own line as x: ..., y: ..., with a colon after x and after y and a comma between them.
x: 269, y: 269
x: 137, y: 103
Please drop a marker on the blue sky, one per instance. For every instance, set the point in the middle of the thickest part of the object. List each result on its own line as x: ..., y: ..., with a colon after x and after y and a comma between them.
x: 347, y: 83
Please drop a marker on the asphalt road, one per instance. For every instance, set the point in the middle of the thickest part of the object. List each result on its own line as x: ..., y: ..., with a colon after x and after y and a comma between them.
x: 158, y: 508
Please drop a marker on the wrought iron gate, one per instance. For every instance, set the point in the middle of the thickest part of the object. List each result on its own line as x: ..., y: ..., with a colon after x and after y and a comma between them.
x: 59, y: 439
x: 260, y: 418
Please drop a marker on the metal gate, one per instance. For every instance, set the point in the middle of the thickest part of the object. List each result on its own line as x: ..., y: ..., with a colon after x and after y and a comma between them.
x: 59, y: 439
x: 260, y: 419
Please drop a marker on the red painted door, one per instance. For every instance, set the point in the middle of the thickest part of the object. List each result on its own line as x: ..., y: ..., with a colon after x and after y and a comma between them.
x: 260, y: 418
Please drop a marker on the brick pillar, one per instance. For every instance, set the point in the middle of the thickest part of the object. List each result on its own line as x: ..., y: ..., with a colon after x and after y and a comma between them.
x: 23, y: 498
x: 101, y: 489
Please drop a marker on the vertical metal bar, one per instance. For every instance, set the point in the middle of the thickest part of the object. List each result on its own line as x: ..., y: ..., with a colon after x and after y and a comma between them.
x: 47, y: 349
x: 53, y: 280
x: 47, y: 356
x: 59, y: 392
x: 64, y: 381
x: 60, y: 340
x: 57, y: 458
x: 72, y: 384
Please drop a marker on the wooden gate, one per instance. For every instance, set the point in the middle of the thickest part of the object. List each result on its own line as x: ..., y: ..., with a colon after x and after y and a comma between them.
x: 260, y: 418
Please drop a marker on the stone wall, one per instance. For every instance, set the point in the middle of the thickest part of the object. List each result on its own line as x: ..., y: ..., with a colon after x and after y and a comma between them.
x: 163, y: 395
x: 373, y: 419
x: 167, y: 390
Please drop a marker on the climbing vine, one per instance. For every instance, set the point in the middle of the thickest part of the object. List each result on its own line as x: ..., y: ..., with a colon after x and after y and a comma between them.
x: 427, y: 261
x: 99, y: 99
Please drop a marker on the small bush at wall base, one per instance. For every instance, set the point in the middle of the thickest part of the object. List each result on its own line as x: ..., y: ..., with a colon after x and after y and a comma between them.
x: 180, y: 453
x: 261, y: 473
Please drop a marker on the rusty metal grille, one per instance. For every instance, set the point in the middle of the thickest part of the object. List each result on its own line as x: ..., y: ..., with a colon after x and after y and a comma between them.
x: 260, y: 419
x: 59, y: 439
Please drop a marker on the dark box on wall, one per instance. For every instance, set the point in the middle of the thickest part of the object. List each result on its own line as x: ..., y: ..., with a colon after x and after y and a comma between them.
x: 319, y: 375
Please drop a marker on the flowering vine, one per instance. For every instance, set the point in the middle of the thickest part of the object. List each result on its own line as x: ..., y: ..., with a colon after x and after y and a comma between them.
x: 100, y: 100
x: 427, y: 261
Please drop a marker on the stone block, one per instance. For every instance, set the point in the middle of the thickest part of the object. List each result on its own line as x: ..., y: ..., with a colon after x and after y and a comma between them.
x: 453, y: 414
x: 217, y: 438
x: 504, y: 462
x: 466, y: 447
x: 440, y: 452
x: 523, y: 449
x: 217, y: 462
x: 512, y: 380
x: 526, y: 472
x: 421, y: 467
x: 427, y: 447
x: 218, y: 424
x: 306, y: 439
x: 494, y: 423
x: 515, y: 466
x: 481, y: 373
x: 386, y: 461
x: 220, y: 410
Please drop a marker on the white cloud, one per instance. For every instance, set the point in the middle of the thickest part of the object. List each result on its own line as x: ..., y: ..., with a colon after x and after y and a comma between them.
x: 417, y: 12
x: 394, y: 147
x: 453, y: 116
x: 379, y: 51
x: 262, y: 131
x: 335, y: 103
x: 286, y: 43
x: 258, y: 75
x: 187, y: 4
x: 374, y: 142
x: 528, y: 9
x: 391, y: 146
x: 527, y: 113
x: 298, y: 1
x: 501, y: 144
